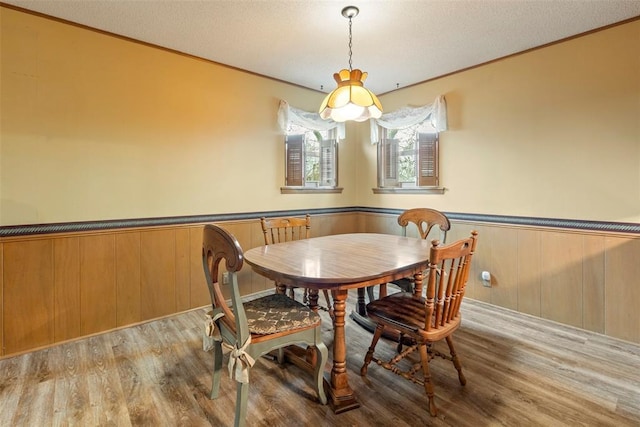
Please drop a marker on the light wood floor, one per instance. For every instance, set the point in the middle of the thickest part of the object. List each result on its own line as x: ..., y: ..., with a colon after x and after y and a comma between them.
x: 520, y: 371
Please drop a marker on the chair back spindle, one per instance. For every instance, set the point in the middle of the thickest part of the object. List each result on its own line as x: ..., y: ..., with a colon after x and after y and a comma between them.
x: 448, y: 275
x: 280, y: 230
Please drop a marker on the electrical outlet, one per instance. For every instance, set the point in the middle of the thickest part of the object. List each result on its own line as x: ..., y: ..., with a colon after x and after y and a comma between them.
x: 225, y: 278
x: 486, y: 279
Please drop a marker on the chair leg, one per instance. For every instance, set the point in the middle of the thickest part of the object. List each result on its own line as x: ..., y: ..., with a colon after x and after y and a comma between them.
x: 217, y: 370
x: 456, y: 361
x: 329, y: 304
x: 369, y: 356
x: 400, y: 339
x: 242, y: 393
x: 428, y: 385
x: 323, y: 355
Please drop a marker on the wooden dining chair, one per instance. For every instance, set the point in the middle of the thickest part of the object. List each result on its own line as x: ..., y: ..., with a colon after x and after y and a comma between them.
x: 426, y: 320
x: 278, y: 230
x: 424, y: 219
x: 256, y: 327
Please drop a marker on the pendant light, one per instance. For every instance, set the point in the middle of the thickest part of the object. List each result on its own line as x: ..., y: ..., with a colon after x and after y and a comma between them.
x: 350, y: 100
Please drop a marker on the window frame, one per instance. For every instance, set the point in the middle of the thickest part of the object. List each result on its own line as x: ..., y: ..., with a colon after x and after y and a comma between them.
x: 427, y: 153
x: 296, y: 157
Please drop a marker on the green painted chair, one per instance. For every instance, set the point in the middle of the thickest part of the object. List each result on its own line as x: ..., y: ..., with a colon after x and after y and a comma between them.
x: 253, y: 328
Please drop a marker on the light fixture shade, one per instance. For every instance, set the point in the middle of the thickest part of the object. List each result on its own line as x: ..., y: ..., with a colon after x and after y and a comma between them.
x: 350, y: 100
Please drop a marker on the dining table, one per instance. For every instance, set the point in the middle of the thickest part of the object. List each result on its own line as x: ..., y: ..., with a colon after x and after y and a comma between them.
x: 339, y: 263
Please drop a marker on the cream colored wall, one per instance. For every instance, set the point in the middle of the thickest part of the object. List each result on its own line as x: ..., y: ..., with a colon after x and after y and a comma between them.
x: 95, y: 127
x: 554, y: 132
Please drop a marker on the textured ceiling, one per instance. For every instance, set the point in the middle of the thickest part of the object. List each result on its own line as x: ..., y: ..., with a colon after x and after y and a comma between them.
x: 398, y: 42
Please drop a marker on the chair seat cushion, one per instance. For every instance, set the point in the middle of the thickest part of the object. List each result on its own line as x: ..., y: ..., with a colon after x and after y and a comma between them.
x: 278, y: 313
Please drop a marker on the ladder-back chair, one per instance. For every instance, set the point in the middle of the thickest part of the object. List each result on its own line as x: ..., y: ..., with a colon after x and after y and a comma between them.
x: 279, y: 230
x: 426, y: 320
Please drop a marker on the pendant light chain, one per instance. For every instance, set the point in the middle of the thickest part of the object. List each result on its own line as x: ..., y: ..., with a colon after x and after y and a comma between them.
x: 350, y: 45
x: 350, y: 100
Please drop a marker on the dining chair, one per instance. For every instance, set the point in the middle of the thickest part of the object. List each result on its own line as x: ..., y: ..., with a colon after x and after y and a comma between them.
x: 255, y: 327
x: 426, y: 320
x: 424, y: 219
x: 278, y: 230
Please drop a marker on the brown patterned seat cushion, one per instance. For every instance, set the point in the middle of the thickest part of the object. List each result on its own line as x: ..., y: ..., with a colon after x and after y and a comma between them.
x: 278, y: 313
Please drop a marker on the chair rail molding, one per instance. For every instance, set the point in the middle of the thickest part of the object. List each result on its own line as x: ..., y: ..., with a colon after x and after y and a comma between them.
x: 83, y: 226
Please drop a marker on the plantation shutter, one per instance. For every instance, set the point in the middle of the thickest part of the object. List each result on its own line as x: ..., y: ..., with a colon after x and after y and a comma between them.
x: 295, y: 160
x: 328, y: 162
x: 390, y: 163
x: 427, y: 159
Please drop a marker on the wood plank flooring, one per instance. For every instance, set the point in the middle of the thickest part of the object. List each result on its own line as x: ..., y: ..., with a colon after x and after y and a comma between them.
x: 521, y: 371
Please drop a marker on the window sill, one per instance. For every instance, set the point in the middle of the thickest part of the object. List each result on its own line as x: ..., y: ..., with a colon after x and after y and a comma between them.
x: 414, y: 190
x: 309, y: 190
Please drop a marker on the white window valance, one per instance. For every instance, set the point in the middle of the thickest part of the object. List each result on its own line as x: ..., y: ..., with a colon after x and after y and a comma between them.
x: 291, y: 115
x: 411, y: 116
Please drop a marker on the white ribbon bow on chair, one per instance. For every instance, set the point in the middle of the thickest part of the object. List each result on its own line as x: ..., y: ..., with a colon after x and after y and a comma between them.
x: 239, y: 362
x: 210, y: 333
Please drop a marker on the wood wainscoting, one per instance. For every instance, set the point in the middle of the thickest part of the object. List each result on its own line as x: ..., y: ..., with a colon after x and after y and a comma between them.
x: 58, y: 287
x: 62, y: 286
x: 582, y: 278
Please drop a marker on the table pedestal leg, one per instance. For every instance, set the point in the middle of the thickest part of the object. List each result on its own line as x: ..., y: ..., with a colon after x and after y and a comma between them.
x: 361, y: 305
x: 359, y: 315
x: 341, y: 396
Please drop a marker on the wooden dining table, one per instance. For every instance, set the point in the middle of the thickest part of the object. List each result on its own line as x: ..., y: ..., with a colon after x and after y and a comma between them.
x: 338, y: 263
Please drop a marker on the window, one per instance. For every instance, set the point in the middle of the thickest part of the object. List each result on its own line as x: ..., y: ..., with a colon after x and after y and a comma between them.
x: 311, y: 158
x: 408, y: 158
x: 311, y: 151
x: 407, y: 140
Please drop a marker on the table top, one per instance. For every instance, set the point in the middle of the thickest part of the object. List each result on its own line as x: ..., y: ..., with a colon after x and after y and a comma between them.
x: 341, y: 261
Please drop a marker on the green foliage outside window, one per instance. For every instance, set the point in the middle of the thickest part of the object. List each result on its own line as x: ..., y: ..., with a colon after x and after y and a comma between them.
x: 312, y: 153
x: 407, y: 153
